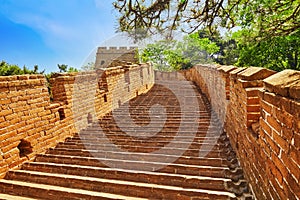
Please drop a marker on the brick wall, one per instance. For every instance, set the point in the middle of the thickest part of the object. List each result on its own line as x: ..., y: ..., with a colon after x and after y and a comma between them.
x: 30, y: 123
x: 262, y: 119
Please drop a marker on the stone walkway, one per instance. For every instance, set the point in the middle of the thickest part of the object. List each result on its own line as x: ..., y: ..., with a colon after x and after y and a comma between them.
x: 139, y: 151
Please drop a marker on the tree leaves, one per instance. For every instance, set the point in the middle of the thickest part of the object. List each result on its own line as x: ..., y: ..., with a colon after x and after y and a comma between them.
x: 268, y: 17
x: 7, y: 69
x: 170, y: 55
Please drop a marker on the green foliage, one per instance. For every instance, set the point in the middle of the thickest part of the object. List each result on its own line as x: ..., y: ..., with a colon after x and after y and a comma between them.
x: 268, y: 36
x: 65, y: 68
x: 169, y: 55
x: 228, y: 53
x: 267, y: 17
x: 277, y: 53
x: 62, y: 67
x: 9, y: 69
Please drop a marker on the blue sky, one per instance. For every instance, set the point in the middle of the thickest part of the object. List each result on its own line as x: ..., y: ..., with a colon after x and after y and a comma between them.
x: 51, y: 32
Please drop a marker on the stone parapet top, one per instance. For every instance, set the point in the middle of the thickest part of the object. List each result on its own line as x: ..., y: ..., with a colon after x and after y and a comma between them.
x: 233, y: 73
x: 116, y: 50
x: 285, y: 83
x: 21, y: 77
x: 107, y: 71
x: 226, y: 68
x: 255, y: 73
x: 121, y: 47
x: 209, y: 66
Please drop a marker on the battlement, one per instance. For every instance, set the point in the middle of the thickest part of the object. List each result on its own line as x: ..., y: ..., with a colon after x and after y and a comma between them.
x: 116, y: 49
x: 261, y: 113
x: 115, y: 56
x: 30, y: 123
x: 260, y: 109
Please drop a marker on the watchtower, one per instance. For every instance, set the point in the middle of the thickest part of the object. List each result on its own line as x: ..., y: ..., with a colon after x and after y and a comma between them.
x: 115, y: 56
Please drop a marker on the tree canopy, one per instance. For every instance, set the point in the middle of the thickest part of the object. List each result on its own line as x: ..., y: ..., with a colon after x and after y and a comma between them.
x: 277, y: 53
x: 268, y: 32
x: 7, y: 69
x: 65, y: 68
x: 266, y: 17
x: 169, y: 55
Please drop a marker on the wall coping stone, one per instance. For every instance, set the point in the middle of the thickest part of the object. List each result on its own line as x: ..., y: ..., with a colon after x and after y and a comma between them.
x: 285, y: 83
x: 226, y: 69
x: 208, y: 66
x: 21, y: 77
x: 233, y: 73
x: 255, y: 73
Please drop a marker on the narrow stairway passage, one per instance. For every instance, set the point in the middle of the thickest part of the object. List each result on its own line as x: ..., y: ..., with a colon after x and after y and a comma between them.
x: 149, y: 148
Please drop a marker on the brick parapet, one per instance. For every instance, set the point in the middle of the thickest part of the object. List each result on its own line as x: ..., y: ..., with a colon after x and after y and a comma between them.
x: 30, y: 123
x: 262, y: 121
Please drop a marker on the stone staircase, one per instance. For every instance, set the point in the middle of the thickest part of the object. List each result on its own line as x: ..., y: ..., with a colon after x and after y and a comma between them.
x: 127, y: 155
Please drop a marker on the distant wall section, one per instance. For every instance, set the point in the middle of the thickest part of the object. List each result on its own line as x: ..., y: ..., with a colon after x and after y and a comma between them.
x: 115, y: 56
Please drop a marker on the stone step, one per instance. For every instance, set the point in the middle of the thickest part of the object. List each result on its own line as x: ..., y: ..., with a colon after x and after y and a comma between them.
x: 201, y: 134
x: 92, y: 139
x: 172, y: 114
x: 114, y: 158
x: 120, y: 187
x: 185, y: 181
x: 157, y: 122
x: 165, y: 131
x: 188, y: 160
x: 127, y: 144
x: 13, y: 197
x: 50, y: 192
x: 206, y: 167
x: 142, y: 148
x: 159, y: 137
x: 119, y: 153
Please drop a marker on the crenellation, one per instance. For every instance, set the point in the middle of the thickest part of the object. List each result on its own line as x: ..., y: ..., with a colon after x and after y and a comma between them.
x: 107, y: 57
x: 260, y: 109
x: 262, y: 122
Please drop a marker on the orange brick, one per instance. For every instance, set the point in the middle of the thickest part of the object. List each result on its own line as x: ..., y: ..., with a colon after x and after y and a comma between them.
x: 279, y: 164
x: 273, y: 145
x: 253, y: 108
x: 274, y: 124
x: 253, y: 116
x: 280, y: 141
x: 5, y: 112
x: 253, y: 101
x: 291, y: 165
x: 266, y: 127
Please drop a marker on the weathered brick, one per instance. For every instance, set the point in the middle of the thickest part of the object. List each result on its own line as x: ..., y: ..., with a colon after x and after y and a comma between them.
x: 274, y: 124
x: 280, y: 141
x: 273, y: 145
x: 253, y: 108
x: 295, y: 155
x: 272, y: 99
x: 266, y: 127
x: 279, y: 164
x: 4, y: 113
x: 253, y: 101
x: 291, y: 166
